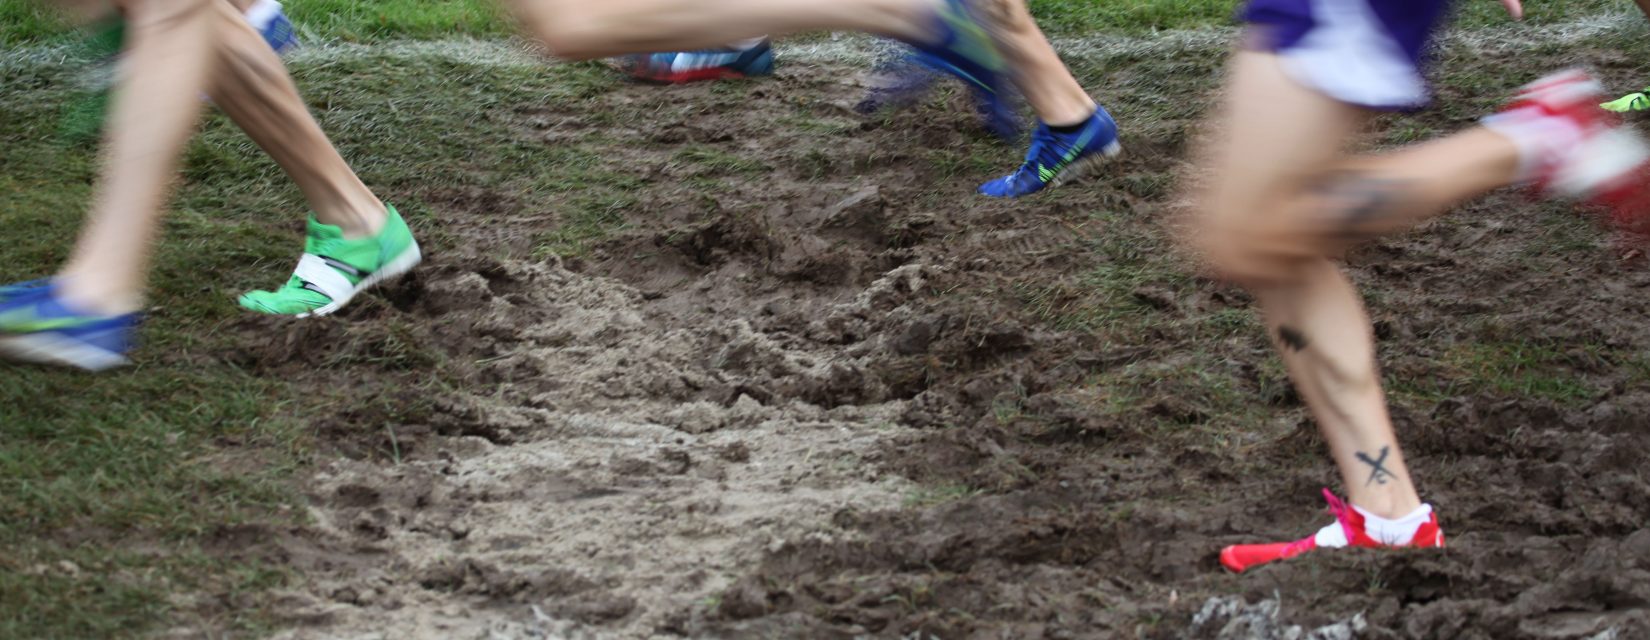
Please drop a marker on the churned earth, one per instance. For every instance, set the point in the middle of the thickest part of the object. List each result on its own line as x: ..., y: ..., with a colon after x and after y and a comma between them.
x: 769, y: 369
x: 805, y: 385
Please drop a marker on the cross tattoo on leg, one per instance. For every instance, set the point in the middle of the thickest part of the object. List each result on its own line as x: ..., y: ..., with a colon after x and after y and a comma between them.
x: 1380, y: 473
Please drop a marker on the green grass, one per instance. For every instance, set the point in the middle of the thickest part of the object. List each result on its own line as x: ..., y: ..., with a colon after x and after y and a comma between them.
x: 1523, y: 368
x: 368, y: 20
x: 107, y: 483
x: 25, y: 22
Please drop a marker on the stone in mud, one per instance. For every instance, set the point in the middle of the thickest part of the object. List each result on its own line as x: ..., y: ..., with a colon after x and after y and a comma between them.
x: 918, y: 334
x: 1233, y: 618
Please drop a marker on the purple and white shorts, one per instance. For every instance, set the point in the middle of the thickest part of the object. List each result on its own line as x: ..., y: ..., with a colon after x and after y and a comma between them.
x: 1362, y: 52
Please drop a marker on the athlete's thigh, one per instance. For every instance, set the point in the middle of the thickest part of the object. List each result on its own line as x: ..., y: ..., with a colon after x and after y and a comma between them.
x: 1273, y: 135
x: 165, y: 15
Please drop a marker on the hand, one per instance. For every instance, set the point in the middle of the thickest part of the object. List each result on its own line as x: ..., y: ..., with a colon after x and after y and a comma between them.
x: 1515, y: 8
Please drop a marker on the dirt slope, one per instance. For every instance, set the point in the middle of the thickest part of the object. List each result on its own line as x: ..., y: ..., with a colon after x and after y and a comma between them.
x: 815, y: 389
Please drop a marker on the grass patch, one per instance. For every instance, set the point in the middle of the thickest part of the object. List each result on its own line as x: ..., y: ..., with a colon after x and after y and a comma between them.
x: 369, y: 20
x: 940, y: 494
x: 109, y: 482
x: 30, y: 21
x: 1524, y: 369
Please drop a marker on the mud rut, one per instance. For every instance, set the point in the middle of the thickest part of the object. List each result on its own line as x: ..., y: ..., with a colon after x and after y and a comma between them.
x: 715, y: 423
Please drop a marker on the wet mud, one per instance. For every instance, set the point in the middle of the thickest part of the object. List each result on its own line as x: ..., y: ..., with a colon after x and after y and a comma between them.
x: 825, y: 391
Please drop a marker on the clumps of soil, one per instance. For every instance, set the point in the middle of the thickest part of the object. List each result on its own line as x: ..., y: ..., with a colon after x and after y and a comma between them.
x: 819, y: 391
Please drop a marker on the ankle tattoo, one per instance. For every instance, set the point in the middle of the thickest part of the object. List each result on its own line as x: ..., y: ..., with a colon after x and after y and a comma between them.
x: 1378, y: 473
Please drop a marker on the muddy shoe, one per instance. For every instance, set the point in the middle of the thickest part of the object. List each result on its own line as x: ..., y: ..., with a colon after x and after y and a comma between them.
x: 726, y: 63
x: 37, y: 326
x: 334, y: 269
x: 1353, y: 527
x: 1575, y: 150
x: 1060, y: 155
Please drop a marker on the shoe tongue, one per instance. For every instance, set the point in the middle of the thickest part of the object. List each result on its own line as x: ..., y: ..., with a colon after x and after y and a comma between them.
x: 1343, y: 513
x: 320, y: 235
x: 1044, y: 147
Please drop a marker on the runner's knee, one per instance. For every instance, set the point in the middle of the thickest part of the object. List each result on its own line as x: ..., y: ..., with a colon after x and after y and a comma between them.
x: 1239, y: 248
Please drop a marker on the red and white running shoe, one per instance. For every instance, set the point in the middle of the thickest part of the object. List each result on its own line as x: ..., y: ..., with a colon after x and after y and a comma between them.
x: 1575, y: 150
x: 1351, y: 529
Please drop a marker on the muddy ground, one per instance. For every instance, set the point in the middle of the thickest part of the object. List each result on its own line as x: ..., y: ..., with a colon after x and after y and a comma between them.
x: 815, y: 388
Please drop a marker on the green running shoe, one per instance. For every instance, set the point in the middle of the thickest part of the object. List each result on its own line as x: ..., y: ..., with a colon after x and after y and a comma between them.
x: 1631, y: 102
x: 333, y: 269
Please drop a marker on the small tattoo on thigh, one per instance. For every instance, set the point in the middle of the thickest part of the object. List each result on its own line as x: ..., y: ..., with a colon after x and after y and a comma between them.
x: 1378, y: 473
x: 1360, y: 198
x: 1292, y: 338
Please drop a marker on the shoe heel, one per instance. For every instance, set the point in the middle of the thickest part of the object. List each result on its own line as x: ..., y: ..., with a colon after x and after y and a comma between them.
x: 1085, y: 167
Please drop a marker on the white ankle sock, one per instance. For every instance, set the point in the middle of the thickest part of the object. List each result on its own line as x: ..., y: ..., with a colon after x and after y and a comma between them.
x: 261, y: 13
x: 1541, y: 139
x: 1390, y: 532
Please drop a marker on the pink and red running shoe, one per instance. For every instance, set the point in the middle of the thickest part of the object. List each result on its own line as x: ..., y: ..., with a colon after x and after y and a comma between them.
x: 1351, y: 529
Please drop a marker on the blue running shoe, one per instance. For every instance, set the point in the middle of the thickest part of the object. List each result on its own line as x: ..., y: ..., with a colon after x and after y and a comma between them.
x: 705, y: 64
x: 15, y: 290
x: 1056, y: 158
x: 37, y: 327
x: 896, y: 83
x: 965, y: 49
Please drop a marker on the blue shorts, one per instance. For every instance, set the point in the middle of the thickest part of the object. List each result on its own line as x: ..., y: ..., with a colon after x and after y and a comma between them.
x: 1362, y: 52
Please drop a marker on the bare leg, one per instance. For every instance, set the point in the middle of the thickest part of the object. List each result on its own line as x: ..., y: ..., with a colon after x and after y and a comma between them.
x: 253, y: 89
x: 154, y: 113
x: 1283, y: 201
x: 582, y: 29
x: 1046, y: 82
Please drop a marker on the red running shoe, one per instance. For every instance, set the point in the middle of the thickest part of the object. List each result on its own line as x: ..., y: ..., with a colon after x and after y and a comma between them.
x: 1581, y: 151
x: 1349, y: 530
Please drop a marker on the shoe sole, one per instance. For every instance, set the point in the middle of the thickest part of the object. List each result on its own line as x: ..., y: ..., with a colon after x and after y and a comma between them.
x: 1085, y: 167
x: 52, y: 349
x: 394, y: 269
x: 697, y: 75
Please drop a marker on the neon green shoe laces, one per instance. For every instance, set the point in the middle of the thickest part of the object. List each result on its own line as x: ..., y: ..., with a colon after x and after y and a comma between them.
x: 334, y: 269
x: 1631, y: 102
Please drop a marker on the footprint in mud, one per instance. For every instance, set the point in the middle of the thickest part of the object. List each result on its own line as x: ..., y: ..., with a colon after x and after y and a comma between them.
x: 625, y: 481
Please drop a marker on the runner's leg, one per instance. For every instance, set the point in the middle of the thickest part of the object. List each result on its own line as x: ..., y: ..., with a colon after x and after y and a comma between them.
x: 1048, y: 85
x: 255, y: 91
x: 1283, y: 201
x: 170, y: 59
x: 580, y: 29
